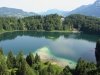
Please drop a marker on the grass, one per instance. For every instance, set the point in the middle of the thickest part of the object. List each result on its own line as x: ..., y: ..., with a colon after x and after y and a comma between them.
x: 4, y: 31
x: 44, y: 65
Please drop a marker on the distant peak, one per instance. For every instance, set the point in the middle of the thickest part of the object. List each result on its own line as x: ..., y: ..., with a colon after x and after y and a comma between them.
x: 97, y: 3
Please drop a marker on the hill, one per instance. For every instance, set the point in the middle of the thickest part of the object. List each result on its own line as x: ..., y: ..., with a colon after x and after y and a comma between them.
x: 89, y: 10
x: 4, y: 11
x: 54, y: 11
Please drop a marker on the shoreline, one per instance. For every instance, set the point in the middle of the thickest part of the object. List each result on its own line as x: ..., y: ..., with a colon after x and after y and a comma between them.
x: 41, y: 31
x: 46, y: 55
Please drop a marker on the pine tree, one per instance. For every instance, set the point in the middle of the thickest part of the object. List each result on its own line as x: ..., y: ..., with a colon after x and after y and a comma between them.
x: 97, y: 51
x: 37, y: 58
x: 30, y: 59
x: 3, y: 65
x: 19, y: 59
x: 66, y: 71
x: 13, y: 72
x: 50, y: 69
x: 43, y: 72
x: 98, y: 45
x: 85, y: 68
x: 10, y: 60
x: 25, y: 69
x: 1, y: 51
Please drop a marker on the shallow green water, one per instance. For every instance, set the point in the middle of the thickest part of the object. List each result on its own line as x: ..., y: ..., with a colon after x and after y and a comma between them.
x: 69, y: 46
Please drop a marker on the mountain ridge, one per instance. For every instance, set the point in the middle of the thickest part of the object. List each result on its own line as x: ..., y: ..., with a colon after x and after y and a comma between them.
x: 14, y: 12
x: 88, y: 10
x: 53, y: 11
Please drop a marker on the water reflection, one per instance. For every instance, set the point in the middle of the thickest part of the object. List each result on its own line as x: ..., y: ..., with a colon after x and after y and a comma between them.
x: 72, y: 48
x: 48, y: 35
x: 64, y: 45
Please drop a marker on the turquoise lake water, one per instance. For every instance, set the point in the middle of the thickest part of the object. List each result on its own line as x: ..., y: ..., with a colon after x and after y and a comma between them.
x: 62, y: 45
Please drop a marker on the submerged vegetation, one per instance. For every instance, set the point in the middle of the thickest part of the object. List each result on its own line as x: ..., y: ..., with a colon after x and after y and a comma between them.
x: 33, y: 65
x: 52, y: 22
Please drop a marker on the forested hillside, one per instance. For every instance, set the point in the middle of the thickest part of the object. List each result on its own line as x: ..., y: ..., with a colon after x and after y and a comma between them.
x: 52, y: 22
x: 13, y: 12
x: 33, y: 65
x: 87, y: 24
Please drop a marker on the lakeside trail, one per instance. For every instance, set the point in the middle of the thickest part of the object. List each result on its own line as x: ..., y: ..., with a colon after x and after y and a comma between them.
x: 45, y: 55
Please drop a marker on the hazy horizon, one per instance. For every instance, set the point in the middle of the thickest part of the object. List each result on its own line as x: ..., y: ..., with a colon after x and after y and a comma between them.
x: 44, y: 5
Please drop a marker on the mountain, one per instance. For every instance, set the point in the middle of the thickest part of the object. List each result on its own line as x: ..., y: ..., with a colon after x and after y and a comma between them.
x: 90, y: 10
x: 4, y: 11
x: 54, y: 11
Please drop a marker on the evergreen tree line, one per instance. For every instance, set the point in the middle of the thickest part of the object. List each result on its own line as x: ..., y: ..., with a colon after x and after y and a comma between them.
x: 48, y: 23
x: 87, y: 24
x: 32, y: 65
x: 51, y: 22
x: 47, y: 35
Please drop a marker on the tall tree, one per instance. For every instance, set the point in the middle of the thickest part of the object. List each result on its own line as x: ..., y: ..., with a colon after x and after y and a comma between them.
x: 37, y: 58
x: 83, y: 68
x: 25, y: 69
x: 50, y: 69
x: 30, y: 59
x: 97, y: 52
x: 19, y: 59
x: 3, y: 65
x: 1, y: 51
x: 10, y: 60
x: 66, y: 71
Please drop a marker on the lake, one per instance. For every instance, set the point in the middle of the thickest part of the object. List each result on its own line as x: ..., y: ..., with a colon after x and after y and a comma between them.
x: 67, y: 46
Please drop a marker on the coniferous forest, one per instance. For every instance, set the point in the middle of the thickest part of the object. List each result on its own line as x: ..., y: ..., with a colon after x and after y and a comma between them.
x: 33, y: 65
x: 52, y: 22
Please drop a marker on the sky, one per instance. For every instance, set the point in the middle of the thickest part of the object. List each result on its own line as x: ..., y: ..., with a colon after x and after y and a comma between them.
x: 44, y: 5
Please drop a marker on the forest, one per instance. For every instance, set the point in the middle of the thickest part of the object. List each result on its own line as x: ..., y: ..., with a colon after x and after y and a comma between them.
x: 33, y: 65
x: 52, y: 22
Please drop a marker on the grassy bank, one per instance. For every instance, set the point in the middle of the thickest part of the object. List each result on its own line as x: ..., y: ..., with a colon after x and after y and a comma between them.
x: 4, y: 31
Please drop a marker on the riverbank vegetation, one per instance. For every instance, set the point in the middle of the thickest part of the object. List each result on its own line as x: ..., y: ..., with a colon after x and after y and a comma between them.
x: 53, y: 22
x: 33, y: 65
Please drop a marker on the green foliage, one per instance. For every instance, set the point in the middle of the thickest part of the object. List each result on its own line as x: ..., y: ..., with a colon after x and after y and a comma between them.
x: 3, y: 65
x: 47, y: 23
x: 13, y: 72
x: 1, y: 51
x: 84, y: 68
x: 66, y: 71
x: 25, y: 69
x: 43, y: 72
x: 97, y: 52
x: 42, y: 68
x: 19, y: 59
x: 37, y: 58
x: 30, y: 59
x: 10, y: 60
x: 87, y: 24
x: 50, y: 69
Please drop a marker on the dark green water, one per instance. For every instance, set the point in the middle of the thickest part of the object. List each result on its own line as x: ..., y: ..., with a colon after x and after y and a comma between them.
x: 64, y: 45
